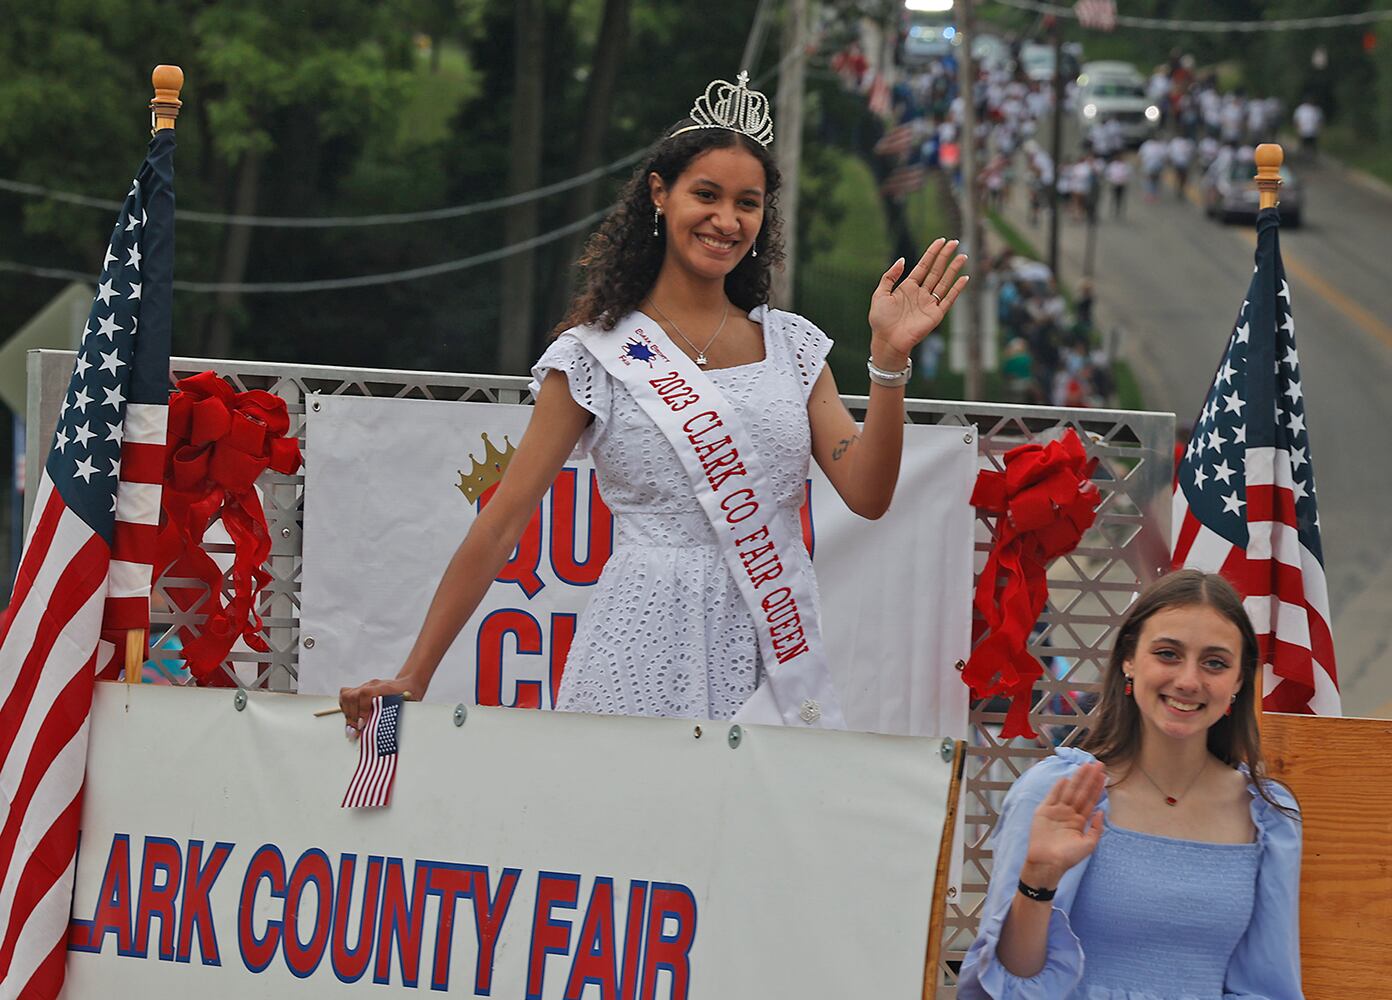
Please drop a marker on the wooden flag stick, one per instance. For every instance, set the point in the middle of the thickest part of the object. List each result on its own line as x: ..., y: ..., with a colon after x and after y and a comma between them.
x: 135, y: 655
x: 164, y: 109
x: 323, y: 712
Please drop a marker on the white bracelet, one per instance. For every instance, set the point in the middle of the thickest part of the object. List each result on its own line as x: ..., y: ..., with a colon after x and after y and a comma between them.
x: 891, y: 379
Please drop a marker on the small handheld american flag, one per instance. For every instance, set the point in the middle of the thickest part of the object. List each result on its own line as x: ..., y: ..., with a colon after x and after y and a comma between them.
x: 372, y: 781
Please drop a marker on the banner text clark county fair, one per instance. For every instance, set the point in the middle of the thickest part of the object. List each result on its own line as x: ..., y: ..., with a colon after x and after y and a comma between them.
x: 388, y: 918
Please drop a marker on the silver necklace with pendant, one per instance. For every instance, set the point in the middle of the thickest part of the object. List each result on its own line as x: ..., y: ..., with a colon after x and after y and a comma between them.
x: 701, y: 358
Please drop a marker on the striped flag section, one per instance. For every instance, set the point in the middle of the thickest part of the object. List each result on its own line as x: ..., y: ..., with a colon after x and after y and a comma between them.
x: 371, y: 784
x: 85, y: 575
x: 1244, y: 499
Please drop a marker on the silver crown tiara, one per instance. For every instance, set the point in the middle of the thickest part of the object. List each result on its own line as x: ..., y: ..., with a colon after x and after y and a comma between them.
x: 733, y: 106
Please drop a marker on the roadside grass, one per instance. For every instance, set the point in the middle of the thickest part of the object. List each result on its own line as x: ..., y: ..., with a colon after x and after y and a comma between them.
x: 833, y: 289
x: 1356, y: 150
x: 425, y: 117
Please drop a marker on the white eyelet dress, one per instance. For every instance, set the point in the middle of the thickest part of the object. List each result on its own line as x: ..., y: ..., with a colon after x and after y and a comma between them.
x: 666, y: 632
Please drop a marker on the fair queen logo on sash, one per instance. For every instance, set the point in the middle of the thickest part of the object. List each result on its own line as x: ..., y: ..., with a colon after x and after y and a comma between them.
x: 756, y: 539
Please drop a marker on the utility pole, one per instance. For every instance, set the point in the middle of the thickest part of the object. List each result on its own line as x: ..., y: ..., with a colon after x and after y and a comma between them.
x: 1057, y: 148
x: 788, y: 138
x: 971, y: 208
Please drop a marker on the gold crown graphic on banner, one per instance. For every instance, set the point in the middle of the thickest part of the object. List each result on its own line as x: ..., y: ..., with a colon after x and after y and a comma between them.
x: 487, y: 473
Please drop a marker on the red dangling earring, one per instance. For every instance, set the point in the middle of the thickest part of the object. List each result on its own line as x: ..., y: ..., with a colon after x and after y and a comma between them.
x: 1228, y: 710
x: 1127, y: 690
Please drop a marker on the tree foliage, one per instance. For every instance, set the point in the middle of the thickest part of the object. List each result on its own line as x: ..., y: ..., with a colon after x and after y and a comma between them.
x: 325, y: 107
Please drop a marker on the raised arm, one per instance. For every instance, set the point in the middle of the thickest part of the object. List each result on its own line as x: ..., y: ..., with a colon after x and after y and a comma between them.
x: 555, y: 426
x: 863, y: 462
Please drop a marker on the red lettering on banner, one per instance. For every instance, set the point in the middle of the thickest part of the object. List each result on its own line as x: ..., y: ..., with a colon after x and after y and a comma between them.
x: 521, y: 567
x: 740, y: 502
x: 488, y: 675
x: 789, y: 640
x: 674, y: 390
x: 161, y: 857
x: 595, y: 959
x: 633, y: 939
x: 489, y: 912
x: 349, y: 964
x: 753, y: 536
x: 196, y: 908
x: 303, y: 956
x: 599, y: 531
x: 402, y: 922
x: 699, y: 425
x: 550, y: 936
x: 705, y: 451
x: 562, y: 635
x: 266, y: 864
x: 113, y: 910
x: 669, y: 952
x: 449, y: 882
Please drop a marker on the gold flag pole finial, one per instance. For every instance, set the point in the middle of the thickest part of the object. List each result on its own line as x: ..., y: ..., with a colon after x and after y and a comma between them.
x: 1269, y: 158
x: 164, y: 109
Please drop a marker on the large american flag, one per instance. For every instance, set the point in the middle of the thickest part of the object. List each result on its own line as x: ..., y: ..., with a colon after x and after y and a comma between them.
x: 84, y: 579
x: 1244, y: 500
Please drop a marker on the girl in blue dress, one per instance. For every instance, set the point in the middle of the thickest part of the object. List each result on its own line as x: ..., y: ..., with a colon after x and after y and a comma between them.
x: 1157, y: 864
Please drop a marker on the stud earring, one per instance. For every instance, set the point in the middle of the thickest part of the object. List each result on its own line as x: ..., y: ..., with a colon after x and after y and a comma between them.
x: 657, y: 214
x: 1127, y: 690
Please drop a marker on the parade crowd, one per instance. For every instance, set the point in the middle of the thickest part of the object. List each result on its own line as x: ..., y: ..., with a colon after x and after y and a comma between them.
x: 1048, y: 347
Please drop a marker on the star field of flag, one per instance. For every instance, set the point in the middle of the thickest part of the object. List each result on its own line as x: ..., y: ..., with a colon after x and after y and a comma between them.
x: 1256, y: 401
x: 85, y: 461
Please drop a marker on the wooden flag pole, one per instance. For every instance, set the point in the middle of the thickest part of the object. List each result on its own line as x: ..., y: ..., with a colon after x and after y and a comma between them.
x: 1269, y: 158
x: 943, y: 873
x: 164, y: 110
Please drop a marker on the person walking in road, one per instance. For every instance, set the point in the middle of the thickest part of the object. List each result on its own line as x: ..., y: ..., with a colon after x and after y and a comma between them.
x: 1118, y: 175
x: 1309, y: 119
x: 1181, y: 154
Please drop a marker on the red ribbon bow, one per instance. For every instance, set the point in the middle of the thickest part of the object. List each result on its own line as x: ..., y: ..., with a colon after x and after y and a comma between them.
x: 220, y: 441
x: 1044, y: 501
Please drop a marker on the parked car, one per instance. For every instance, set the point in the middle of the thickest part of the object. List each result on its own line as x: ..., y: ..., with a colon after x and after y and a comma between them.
x: 990, y: 52
x: 925, y: 42
x: 1229, y: 191
x: 1037, y: 60
x: 1115, y: 91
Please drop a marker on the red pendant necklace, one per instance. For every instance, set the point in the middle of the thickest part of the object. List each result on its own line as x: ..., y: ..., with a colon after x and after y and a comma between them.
x: 1173, y: 800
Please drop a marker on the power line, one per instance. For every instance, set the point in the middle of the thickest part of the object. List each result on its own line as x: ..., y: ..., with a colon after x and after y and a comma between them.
x: 361, y: 281
x: 336, y: 284
x: 1169, y: 24
x: 340, y: 221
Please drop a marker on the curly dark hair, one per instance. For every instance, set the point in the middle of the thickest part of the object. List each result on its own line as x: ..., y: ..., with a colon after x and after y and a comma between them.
x: 622, y: 259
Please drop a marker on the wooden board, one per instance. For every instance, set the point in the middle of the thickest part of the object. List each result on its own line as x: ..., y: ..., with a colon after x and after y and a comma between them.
x: 1341, y: 772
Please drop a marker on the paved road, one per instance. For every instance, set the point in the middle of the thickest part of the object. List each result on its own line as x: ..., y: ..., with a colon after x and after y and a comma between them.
x: 1173, y: 280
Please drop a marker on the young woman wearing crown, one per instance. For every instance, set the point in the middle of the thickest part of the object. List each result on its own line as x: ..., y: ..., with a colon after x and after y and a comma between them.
x: 701, y: 407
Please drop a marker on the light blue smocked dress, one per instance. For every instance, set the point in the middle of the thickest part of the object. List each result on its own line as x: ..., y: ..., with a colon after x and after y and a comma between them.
x: 1148, y: 917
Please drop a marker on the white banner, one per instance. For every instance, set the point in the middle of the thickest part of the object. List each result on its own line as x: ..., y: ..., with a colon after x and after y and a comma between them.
x: 384, y: 512
x: 524, y: 855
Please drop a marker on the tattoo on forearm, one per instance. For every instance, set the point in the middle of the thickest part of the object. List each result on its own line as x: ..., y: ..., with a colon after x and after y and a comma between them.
x: 843, y: 446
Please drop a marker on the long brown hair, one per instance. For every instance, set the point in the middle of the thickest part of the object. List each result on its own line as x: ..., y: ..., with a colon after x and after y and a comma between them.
x: 1115, y: 737
x: 622, y: 259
